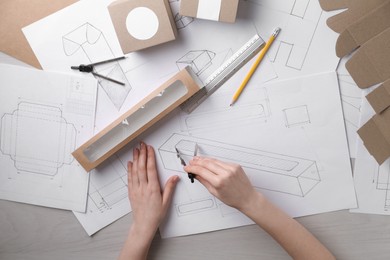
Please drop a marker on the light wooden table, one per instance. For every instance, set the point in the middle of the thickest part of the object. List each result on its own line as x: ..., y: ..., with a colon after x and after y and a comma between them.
x: 31, y: 232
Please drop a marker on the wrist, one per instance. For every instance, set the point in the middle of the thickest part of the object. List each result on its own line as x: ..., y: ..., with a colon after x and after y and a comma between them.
x: 254, y: 205
x: 142, y: 233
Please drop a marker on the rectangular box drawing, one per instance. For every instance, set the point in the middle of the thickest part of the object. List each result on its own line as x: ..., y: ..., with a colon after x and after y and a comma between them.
x: 300, y: 7
x: 296, y: 116
x: 270, y: 171
x: 53, y: 141
x: 198, y: 60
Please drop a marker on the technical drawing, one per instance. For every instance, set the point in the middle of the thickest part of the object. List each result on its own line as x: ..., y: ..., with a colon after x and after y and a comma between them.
x: 215, y: 114
x: 107, y: 191
x: 269, y: 171
x: 88, y: 42
x: 38, y: 138
x: 182, y: 21
x: 199, y: 60
x: 193, y: 207
x: 383, y: 183
x: 291, y: 49
x: 296, y: 116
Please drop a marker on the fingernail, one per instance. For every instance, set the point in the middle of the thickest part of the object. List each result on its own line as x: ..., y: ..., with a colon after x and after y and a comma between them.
x: 196, y: 158
x: 176, y: 178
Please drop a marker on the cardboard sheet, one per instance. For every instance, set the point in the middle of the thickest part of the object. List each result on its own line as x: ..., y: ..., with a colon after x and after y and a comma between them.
x: 363, y: 30
x: 16, y: 14
x: 376, y: 132
x: 356, y: 9
x: 370, y: 64
x: 331, y: 5
x: 217, y: 10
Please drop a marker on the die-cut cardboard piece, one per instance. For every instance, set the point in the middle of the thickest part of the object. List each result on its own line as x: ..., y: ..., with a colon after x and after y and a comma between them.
x: 138, y: 119
x: 227, y: 12
x: 356, y: 10
x: 376, y: 136
x: 379, y: 99
x: 363, y: 30
x: 376, y: 132
x: 371, y: 63
x: 140, y: 24
x: 331, y: 5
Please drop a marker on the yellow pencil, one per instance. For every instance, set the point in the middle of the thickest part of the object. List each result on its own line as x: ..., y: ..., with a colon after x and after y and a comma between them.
x: 255, y: 65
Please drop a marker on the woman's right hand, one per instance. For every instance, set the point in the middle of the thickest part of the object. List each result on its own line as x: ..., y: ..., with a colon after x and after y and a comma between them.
x: 226, y: 181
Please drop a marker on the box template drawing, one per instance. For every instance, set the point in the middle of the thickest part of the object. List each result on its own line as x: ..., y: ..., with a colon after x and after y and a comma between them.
x: 269, y: 171
x: 138, y: 119
x: 34, y: 125
x: 216, y: 10
x: 140, y: 24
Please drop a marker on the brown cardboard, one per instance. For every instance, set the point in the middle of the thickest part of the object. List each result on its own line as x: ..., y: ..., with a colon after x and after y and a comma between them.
x: 376, y: 136
x: 188, y: 80
x: 379, y: 99
x: 371, y: 62
x: 166, y: 29
x: 331, y: 5
x: 16, y: 14
x: 227, y: 14
x: 376, y: 132
x: 363, y: 30
x: 356, y: 9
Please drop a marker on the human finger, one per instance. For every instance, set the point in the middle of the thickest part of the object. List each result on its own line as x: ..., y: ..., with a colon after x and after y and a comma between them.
x: 151, y: 168
x: 142, y: 164
x: 134, y: 168
x: 168, y: 191
x: 205, y: 173
x: 211, y: 164
x: 206, y: 184
x: 129, y: 175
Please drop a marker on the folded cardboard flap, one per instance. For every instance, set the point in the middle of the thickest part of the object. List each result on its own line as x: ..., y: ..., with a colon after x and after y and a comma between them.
x: 379, y: 99
x: 376, y: 136
x: 138, y: 119
x: 197, y: 9
x: 356, y: 9
x: 370, y: 25
x: 371, y: 63
x: 140, y: 24
x: 331, y: 5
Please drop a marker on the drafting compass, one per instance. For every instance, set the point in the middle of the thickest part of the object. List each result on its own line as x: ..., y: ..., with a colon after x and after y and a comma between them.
x: 191, y: 176
x: 89, y: 69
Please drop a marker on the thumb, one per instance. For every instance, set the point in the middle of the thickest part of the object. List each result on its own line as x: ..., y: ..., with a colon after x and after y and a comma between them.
x: 168, y: 191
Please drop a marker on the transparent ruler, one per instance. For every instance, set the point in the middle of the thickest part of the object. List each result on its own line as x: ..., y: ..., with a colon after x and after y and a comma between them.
x: 223, y: 73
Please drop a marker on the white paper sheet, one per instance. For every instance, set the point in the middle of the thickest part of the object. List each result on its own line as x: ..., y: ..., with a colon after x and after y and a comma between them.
x: 83, y: 33
x: 44, y: 116
x: 292, y: 144
x: 372, y: 181
x: 351, y: 97
x: 107, y: 196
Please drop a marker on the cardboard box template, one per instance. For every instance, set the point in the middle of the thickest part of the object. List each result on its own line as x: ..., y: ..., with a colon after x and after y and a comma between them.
x: 376, y: 132
x: 370, y: 25
x: 140, y: 24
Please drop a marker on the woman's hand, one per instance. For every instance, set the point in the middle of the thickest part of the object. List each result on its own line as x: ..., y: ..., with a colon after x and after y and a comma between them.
x: 226, y: 181
x: 149, y: 203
